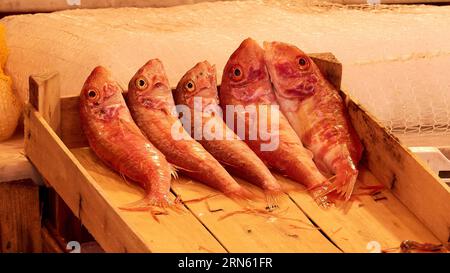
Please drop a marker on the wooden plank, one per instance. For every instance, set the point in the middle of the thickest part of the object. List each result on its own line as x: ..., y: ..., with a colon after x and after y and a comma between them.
x: 45, y: 97
x: 330, y: 67
x: 353, y: 226
x: 286, y: 229
x: 60, y: 219
x: 49, y: 243
x: 412, y: 182
x: 115, y: 230
x: 20, y: 226
x: 71, y: 133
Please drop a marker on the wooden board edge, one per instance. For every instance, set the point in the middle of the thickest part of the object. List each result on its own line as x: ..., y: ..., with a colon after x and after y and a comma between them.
x: 44, y: 95
x: 410, y: 180
x: 330, y: 67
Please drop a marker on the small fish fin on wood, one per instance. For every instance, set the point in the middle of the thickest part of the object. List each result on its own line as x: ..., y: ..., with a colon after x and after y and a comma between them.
x: 150, y: 203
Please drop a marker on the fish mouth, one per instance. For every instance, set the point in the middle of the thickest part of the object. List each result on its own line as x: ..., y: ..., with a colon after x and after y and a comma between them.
x: 205, y: 92
x: 301, y: 89
x: 207, y: 95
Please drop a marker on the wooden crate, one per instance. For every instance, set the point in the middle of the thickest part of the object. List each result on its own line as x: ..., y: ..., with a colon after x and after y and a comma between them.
x: 415, y: 203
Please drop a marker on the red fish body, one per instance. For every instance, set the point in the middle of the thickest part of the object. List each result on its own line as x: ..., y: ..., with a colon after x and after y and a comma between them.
x: 117, y: 141
x: 246, y: 82
x: 200, y: 83
x: 317, y: 113
x: 153, y: 108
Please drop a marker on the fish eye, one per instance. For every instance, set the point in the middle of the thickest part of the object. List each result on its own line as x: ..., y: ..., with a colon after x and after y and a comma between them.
x: 236, y: 73
x: 303, y: 62
x: 141, y: 83
x: 92, y: 94
x: 190, y: 86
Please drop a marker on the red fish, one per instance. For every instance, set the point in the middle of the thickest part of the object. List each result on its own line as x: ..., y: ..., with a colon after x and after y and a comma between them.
x: 317, y: 113
x: 246, y: 82
x: 153, y: 108
x: 117, y: 141
x: 200, y: 83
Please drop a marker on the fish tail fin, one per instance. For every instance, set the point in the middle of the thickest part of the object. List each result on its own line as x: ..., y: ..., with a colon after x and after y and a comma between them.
x: 174, y: 171
x: 272, y: 197
x: 156, y: 204
x: 321, y: 193
x: 345, y: 180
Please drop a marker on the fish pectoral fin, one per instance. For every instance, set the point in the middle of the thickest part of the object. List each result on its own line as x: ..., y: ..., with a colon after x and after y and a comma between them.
x: 176, y: 168
x: 173, y: 171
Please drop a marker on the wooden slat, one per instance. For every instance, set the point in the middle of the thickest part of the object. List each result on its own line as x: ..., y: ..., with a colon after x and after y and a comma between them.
x: 20, y: 225
x: 114, y: 229
x: 330, y: 67
x: 49, y: 243
x: 352, y: 226
x: 248, y: 232
x: 412, y: 182
x: 71, y: 133
x: 45, y: 97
